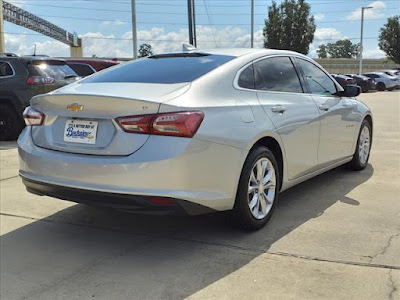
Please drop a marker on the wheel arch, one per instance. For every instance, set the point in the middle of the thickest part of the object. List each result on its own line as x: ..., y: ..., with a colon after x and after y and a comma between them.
x: 368, y: 117
x: 14, y: 102
x: 273, y: 145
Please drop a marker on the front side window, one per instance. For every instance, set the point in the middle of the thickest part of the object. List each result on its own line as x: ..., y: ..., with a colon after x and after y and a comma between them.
x: 317, y: 80
x: 246, y: 78
x: 276, y: 74
x: 5, y: 69
x: 164, y: 68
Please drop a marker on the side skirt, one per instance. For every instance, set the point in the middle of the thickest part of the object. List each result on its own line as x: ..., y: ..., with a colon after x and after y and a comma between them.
x: 288, y: 184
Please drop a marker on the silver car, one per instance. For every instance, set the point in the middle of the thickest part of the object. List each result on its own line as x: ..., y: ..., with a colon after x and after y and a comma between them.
x: 384, y: 81
x: 195, y: 132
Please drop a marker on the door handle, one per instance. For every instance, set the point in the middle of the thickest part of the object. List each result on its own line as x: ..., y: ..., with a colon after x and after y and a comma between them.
x: 324, y: 107
x: 278, y: 109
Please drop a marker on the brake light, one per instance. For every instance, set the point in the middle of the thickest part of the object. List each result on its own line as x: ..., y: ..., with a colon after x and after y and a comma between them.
x: 32, y: 80
x: 33, y: 117
x: 182, y: 124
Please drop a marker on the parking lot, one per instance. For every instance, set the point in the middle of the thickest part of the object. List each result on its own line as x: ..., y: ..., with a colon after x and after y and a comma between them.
x: 336, y: 236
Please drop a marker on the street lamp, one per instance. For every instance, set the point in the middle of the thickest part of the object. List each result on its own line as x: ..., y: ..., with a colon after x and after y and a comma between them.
x: 361, y: 38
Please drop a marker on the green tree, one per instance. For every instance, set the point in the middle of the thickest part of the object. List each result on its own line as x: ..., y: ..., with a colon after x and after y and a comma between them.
x: 289, y: 26
x: 145, y: 50
x: 389, y: 39
x: 321, y: 51
x: 340, y: 49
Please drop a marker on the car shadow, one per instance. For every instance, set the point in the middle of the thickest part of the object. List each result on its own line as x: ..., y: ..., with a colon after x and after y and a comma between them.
x: 83, y: 252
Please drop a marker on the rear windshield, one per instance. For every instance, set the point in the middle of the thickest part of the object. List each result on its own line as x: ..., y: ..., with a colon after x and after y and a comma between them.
x: 174, y: 68
x: 55, y: 70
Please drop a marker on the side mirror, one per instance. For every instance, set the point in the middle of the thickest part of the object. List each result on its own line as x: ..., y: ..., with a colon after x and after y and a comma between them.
x: 351, y: 90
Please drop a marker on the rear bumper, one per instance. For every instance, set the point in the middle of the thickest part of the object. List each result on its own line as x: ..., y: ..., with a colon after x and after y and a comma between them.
x: 116, y: 201
x: 192, y: 170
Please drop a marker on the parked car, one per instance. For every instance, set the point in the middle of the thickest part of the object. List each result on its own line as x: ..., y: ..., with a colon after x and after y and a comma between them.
x: 365, y: 83
x: 226, y: 129
x: 21, y: 78
x: 395, y: 73
x: 343, y: 80
x: 85, y: 67
x: 383, y: 81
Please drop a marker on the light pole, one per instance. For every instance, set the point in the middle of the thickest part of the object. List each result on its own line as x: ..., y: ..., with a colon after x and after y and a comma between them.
x: 252, y: 24
x: 361, y: 38
x: 134, y: 30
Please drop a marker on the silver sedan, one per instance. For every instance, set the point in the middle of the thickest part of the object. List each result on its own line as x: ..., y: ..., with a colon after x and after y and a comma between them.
x: 195, y: 131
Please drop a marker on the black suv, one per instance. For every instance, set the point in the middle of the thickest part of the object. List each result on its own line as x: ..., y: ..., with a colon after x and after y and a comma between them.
x: 23, y: 77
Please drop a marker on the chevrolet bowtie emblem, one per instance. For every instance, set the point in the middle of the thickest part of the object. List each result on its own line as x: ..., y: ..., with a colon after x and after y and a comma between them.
x: 75, y: 107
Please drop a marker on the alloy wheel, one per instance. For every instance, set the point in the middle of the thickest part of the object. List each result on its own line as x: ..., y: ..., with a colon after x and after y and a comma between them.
x: 364, y: 145
x: 262, y: 188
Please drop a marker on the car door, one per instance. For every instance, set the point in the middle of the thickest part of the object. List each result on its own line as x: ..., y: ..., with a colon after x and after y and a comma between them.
x: 293, y: 112
x: 338, y: 119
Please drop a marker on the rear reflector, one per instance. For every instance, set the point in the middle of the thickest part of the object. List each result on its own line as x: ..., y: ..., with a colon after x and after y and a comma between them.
x: 32, y: 80
x: 182, y: 124
x: 33, y: 117
x: 162, y: 201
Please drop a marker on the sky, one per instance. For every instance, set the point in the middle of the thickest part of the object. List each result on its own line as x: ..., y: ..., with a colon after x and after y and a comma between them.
x: 106, y: 29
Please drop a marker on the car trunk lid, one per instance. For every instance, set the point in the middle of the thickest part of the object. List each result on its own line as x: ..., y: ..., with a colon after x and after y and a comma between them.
x: 80, y: 118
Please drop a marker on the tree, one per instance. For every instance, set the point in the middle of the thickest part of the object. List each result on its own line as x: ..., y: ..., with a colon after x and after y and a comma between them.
x: 321, y: 51
x: 145, y: 50
x: 340, y: 49
x: 389, y: 39
x: 289, y: 26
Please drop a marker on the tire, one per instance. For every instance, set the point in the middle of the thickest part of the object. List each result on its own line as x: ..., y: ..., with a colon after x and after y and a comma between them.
x: 243, y: 215
x: 10, y: 124
x: 391, y: 89
x: 381, y: 86
x: 360, y: 161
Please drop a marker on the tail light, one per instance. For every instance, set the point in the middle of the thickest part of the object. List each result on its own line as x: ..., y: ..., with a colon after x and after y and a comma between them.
x: 183, y: 124
x: 32, y: 80
x: 33, y: 117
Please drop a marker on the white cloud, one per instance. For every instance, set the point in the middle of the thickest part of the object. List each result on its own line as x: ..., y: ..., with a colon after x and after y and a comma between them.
x: 323, y: 36
x: 374, y: 53
x: 319, y: 16
x: 163, y: 41
x: 373, y: 13
x: 116, y: 22
x: 329, y: 34
x: 20, y: 45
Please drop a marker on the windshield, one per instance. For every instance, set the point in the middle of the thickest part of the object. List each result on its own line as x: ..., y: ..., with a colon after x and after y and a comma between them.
x: 56, y: 71
x: 175, y: 68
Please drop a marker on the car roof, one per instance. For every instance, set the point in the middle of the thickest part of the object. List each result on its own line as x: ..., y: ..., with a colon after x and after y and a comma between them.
x: 30, y: 58
x: 237, y: 52
x: 86, y: 60
x: 379, y: 73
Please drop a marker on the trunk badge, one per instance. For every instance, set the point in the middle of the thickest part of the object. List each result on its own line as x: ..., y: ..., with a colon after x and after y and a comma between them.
x: 75, y: 107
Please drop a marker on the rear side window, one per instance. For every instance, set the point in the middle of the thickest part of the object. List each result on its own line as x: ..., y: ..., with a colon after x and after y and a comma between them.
x: 107, y: 65
x: 173, y: 68
x: 5, y: 69
x: 318, y: 81
x: 276, y: 74
x: 81, y: 69
x: 246, y: 78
